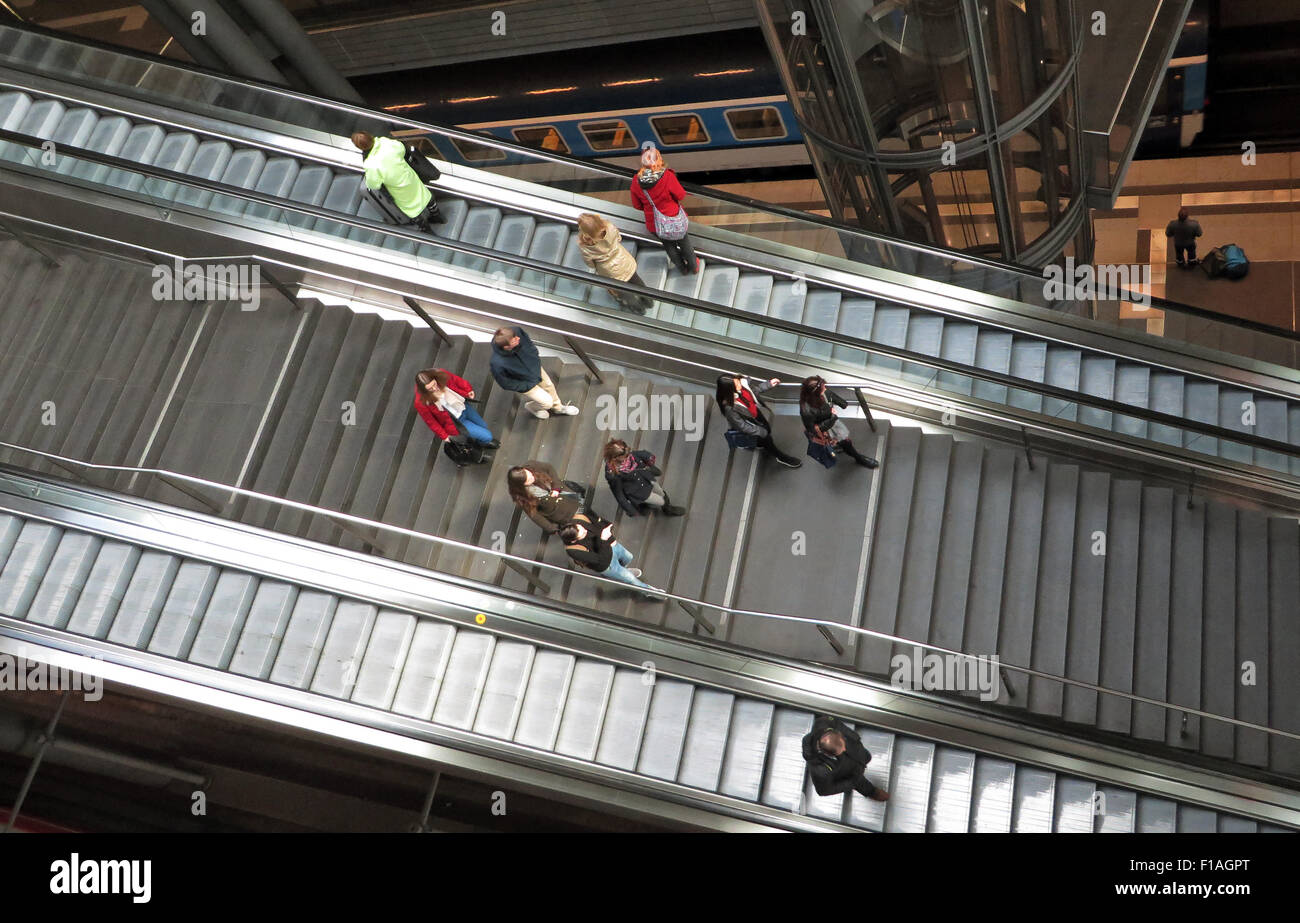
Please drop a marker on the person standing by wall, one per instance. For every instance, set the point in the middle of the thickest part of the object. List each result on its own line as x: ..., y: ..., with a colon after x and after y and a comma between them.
x: 516, y: 366
x: 656, y: 191
x: 602, y: 250
x: 1184, y: 231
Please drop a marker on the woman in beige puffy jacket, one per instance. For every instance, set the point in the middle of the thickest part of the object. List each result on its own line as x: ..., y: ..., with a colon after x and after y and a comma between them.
x: 602, y: 248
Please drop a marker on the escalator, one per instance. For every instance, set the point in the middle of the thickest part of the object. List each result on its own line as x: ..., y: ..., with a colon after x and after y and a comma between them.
x: 253, y: 398
x: 163, y: 594
x: 484, y: 214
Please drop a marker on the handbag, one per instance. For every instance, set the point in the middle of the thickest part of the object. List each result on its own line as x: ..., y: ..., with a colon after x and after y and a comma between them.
x: 738, y: 440
x: 666, y: 228
x: 462, y: 453
x: 821, y: 452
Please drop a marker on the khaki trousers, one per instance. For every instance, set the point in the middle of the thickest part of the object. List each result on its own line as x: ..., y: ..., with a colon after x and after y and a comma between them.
x: 544, y: 394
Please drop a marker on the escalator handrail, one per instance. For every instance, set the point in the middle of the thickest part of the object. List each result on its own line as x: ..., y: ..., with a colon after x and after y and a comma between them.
x: 568, y: 571
x: 623, y: 173
x: 936, y: 363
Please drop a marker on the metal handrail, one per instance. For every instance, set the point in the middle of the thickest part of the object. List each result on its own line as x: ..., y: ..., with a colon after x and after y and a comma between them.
x: 664, y: 594
x: 1260, y: 479
x: 704, y: 192
x: 492, y: 141
x: 937, y: 363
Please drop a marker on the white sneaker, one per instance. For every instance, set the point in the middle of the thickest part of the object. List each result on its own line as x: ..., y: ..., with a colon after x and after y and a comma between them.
x: 567, y: 410
x: 635, y: 572
x: 536, y: 410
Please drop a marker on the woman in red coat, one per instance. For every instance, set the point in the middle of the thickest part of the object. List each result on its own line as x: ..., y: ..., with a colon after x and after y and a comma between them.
x: 442, y: 401
x: 656, y: 192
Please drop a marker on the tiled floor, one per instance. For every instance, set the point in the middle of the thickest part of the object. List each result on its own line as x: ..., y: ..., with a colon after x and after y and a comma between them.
x: 1256, y: 206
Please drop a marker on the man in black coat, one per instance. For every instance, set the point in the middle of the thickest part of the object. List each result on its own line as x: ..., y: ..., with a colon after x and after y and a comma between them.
x: 836, y: 759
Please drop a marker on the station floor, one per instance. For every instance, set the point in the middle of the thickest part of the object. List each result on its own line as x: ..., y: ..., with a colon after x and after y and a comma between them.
x: 1256, y: 206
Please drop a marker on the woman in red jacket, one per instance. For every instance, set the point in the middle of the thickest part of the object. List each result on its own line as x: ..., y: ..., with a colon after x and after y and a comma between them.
x: 442, y: 401
x: 656, y: 192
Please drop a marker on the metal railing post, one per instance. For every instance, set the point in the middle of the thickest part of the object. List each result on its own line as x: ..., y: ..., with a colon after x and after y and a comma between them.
x: 591, y: 366
x: 193, y: 495
x: 1006, y: 681
x: 46, y: 739
x: 424, y: 316
x: 26, y: 242
x: 533, y: 582
x: 279, y: 286
x: 830, y: 639
x: 1029, y: 453
x: 866, y: 408
x: 695, y: 613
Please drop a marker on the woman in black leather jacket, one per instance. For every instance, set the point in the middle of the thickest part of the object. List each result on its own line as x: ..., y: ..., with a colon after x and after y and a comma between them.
x: 820, y: 422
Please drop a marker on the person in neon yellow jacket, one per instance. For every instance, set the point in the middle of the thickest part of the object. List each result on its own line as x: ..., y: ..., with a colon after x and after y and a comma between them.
x: 385, y: 164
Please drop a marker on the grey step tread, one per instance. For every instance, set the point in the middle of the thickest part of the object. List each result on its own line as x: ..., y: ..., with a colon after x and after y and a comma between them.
x: 789, y: 550
x: 1186, y: 619
x: 898, y: 468
x: 326, y: 428
x: 1024, y: 552
x: 309, y: 377
x: 1087, y: 596
x: 1252, y: 637
x: 704, y: 555
x: 956, y: 551
x: 1151, y: 642
x: 1221, y: 676
x: 1057, y: 552
x: 989, y: 556
x: 369, y: 404
x: 1284, y: 643
x: 1123, y: 555
x: 922, y: 563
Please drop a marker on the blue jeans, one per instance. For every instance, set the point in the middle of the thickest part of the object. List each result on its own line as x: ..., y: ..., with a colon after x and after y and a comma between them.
x: 473, y: 425
x: 617, y: 569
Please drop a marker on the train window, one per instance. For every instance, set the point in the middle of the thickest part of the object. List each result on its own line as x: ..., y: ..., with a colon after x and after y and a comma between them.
x: 608, y: 136
x: 477, y: 153
x: 679, y: 129
x: 545, y: 138
x: 755, y: 124
x: 425, y: 146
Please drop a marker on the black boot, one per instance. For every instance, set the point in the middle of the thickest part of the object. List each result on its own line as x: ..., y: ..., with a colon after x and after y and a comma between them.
x: 851, y: 452
x: 670, y: 510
